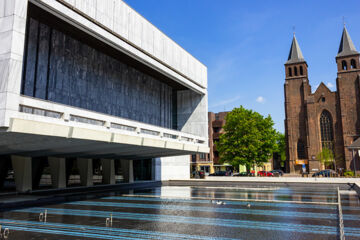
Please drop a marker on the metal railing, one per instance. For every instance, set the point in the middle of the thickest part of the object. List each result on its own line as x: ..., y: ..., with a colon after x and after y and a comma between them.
x: 341, y: 220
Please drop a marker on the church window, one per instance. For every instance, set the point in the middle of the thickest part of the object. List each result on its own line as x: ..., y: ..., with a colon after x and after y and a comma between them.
x: 290, y: 72
x: 344, y: 65
x: 301, y: 70
x: 326, y: 128
x: 301, y: 150
x: 353, y: 63
x: 323, y: 99
x: 295, y: 71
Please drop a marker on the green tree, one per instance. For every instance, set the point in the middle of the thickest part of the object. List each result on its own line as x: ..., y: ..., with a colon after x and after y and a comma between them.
x: 326, y: 157
x: 249, y: 139
x: 280, y: 146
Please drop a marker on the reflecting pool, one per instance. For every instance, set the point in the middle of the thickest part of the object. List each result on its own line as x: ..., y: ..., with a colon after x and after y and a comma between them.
x: 196, y: 212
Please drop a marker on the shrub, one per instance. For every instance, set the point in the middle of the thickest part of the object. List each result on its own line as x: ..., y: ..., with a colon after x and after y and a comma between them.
x: 348, y: 174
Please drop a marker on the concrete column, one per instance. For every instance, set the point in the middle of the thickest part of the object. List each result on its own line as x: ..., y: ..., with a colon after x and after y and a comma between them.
x: 4, y: 167
x: 108, y: 171
x: 153, y: 168
x: 85, y: 166
x: 22, y: 173
x: 128, y: 170
x: 58, y: 172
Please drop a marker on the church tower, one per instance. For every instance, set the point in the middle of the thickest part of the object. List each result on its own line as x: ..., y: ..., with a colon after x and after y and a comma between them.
x: 296, y: 89
x: 348, y: 87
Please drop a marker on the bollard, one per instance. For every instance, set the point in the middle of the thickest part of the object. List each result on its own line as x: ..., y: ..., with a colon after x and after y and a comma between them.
x: 6, y: 233
x: 45, y: 216
x: 0, y: 232
x: 107, y: 221
x: 111, y: 220
x: 41, y: 217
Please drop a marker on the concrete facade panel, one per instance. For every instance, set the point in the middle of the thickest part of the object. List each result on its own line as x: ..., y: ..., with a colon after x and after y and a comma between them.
x: 126, y: 139
x: 174, y: 145
x: 153, y: 142
x: 82, y: 133
x: 38, y: 128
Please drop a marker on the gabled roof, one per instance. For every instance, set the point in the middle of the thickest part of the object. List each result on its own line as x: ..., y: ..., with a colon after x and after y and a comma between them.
x: 346, y: 45
x: 355, y: 145
x: 322, y: 87
x: 295, y: 54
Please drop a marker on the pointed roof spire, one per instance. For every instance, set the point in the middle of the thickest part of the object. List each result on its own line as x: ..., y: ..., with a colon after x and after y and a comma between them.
x: 295, y: 54
x: 346, y: 45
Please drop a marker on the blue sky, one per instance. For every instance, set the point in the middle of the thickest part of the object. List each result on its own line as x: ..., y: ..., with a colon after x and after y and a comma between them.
x: 244, y: 44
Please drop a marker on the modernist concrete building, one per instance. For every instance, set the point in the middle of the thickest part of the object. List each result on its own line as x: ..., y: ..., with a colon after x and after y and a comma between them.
x: 324, y: 118
x: 93, y: 79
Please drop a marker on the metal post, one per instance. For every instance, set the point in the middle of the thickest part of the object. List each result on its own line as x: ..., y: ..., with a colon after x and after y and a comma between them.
x: 353, y: 157
x: 340, y: 215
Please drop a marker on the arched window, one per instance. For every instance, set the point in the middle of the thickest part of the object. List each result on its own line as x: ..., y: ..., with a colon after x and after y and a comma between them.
x: 326, y: 128
x: 344, y: 65
x: 295, y: 71
x: 301, y: 150
x: 353, y: 64
x: 290, y: 72
x: 301, y: 71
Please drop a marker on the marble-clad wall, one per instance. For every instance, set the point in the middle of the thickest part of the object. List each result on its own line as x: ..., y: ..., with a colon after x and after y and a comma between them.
x: 64, y: 70
x: 12, y: 36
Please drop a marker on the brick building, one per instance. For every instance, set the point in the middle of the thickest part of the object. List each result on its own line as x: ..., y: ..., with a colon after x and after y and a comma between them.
x: 324, y: 118
x: 210, y: 163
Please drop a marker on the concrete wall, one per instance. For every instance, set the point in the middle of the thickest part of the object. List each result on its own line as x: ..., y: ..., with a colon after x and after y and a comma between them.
x: 12, y: 37
x: 192, y: 113
x: 125, y: 21
x: 172, y: 168
x: 131, y: 33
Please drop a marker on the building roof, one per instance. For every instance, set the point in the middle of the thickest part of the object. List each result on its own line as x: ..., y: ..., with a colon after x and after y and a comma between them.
x: 295, y: 54
x: 346, y: 45
x: 355, y: 145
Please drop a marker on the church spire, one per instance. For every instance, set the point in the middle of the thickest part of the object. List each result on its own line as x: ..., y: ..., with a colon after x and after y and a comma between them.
x: 346, y: 45
x: 295, y: 54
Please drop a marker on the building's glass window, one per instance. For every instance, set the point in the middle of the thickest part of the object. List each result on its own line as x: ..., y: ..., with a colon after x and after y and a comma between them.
x: 202, y: 156
x: 216, y: 129
x: 301, y: 150
x: 193, y: 158
x: 217, y: 117
x: 326, y: 128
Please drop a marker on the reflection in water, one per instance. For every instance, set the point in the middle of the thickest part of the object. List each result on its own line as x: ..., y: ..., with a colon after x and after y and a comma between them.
x: 185, y: 212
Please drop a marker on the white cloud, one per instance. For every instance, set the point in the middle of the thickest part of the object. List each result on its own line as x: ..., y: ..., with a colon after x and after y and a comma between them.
x: 226, y: 101
x: 260, y: 99
x: 330, y: 85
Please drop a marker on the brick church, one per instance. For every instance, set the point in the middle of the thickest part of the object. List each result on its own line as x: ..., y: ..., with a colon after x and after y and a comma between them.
x: 324, y: 118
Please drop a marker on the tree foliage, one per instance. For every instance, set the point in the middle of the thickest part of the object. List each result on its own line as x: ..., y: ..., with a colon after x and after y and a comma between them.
x: 280, y: 146
x: 249, y: 138
x: 326, y: 156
